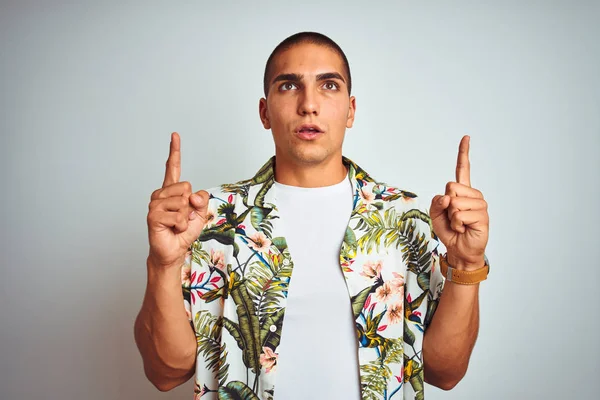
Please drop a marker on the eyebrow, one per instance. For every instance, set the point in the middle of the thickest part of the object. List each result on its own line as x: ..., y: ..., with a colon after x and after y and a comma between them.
x: 299, y: 77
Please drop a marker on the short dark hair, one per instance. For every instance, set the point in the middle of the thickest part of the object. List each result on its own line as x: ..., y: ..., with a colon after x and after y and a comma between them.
x: 300, y: 38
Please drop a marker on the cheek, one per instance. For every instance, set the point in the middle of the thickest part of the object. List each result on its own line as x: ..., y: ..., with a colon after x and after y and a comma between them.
x: 279, y: 113
x: 338, y: 114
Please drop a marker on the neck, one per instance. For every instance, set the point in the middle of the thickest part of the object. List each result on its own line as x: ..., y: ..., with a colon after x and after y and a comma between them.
x: 326, y: 173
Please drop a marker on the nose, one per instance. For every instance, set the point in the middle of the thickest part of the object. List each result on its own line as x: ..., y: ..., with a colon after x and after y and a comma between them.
x: 308, y: 103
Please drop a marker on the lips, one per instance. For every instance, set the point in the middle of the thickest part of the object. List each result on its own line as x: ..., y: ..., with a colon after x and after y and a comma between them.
x: 309, y: 128
x: 309, y: 131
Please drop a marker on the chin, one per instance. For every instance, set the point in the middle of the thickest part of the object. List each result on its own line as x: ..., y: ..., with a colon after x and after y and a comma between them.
x: 310, y: 156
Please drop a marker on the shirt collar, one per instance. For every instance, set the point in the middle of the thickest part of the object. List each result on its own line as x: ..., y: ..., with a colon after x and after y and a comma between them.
x: 265, y: 177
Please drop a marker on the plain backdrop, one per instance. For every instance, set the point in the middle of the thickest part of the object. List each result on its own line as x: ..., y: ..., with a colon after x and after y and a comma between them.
x: 90, y: 92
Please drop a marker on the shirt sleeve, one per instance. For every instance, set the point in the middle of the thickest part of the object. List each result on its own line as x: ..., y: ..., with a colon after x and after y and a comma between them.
x: 186, y: 270
x: 424, y: 280
x: 435, y: 248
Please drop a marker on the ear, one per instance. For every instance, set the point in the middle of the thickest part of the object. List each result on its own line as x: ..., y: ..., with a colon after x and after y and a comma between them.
x: 263, y: 112
x: 351, y: 112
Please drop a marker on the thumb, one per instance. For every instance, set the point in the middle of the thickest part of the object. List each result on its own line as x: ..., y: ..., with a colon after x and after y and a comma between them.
x: 198, y: 216
x: 439, y: 204
x: 199, y: 203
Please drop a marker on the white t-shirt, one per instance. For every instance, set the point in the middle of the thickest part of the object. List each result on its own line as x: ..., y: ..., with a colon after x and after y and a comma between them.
x: 313, y: 362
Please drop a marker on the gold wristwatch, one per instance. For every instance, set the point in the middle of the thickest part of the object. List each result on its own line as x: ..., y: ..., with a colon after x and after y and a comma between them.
x: 464, y: 277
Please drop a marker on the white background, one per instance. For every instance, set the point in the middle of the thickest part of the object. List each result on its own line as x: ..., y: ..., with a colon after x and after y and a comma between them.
x: 90, y: 92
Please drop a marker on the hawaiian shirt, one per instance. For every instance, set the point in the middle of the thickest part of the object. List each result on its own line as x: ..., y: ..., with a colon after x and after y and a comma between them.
x: 237, y: 273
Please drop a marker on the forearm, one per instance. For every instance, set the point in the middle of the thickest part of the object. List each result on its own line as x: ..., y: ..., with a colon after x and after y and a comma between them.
x: 451, y: 335
x: 163, y: 333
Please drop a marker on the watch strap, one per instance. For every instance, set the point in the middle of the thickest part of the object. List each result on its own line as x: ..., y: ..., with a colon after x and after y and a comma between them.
x: 463, y: 277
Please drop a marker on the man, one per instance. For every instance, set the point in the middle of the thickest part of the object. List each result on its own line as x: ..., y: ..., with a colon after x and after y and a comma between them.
x: 311, y: 279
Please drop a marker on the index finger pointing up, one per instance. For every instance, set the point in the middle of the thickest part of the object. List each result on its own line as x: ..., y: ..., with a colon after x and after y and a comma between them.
x: 173, y: 167
x: 463, y: 166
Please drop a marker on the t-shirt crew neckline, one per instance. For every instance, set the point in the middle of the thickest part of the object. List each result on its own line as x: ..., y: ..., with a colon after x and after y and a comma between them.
x: 330, y: 188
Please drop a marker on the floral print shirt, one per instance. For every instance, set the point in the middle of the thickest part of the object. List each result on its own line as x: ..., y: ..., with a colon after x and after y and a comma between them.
x: 236, y: 276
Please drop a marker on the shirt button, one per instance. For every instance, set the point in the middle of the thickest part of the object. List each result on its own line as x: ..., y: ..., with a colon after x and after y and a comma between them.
x: 272, y: 328
x: 286, y: 262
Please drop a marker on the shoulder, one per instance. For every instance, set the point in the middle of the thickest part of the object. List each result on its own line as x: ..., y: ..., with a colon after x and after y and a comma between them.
x: 404, y: 203
x: 394, y: 196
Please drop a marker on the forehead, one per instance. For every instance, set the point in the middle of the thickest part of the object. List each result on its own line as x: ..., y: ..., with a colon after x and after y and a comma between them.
x: 308, y: 59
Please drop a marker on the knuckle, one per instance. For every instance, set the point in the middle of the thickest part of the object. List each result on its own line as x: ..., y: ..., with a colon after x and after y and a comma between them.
x: 151, y: 218
x: 183, y: 202
x: 456, y: 216
x: 449, y: 186
x: 187, y: 187
x: 155, y: 194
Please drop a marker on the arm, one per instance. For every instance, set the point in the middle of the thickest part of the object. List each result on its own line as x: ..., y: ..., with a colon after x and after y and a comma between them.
x: 162, y: 330
x: 461, y: 221
x: 450, y: 338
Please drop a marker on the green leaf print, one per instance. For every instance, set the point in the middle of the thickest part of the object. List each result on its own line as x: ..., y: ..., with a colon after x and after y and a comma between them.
x: 418, y: 214
x: 373, y: 379
x: 234, y: 330
x: 268, y: 338
x: 257, y: 219
x: 358, y: 300
x: 208, y: 338
x: 280, y: 243
x: 248, y: 326
x: 416, y: 303
x: 409, y: 337
x: 431, y: 308
x: 224, y: 237
x: 417, y: 383
x: 267, y: 284
x: 400, y: 231
x: 394, y: 351
x: 236, y: 390
x: 423, y: 280
x: 259, y: 200
x: 349, y: 237
x: 199, y: 255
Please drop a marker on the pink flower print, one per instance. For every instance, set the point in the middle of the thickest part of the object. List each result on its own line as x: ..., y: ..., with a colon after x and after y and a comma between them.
x: 186, y: 271
x: 367, y: 196
x: 200, y: 392
x: 371, y: 269
x: 259, y: 242
x: 217, y: 258
x: 397, y: 284
x: 395, y: 312
x: 384, y: 292
x: 268, y: 359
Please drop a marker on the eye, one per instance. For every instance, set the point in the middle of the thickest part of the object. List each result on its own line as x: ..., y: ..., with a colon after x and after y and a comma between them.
x: 330, y: 85
x: 287, y: 86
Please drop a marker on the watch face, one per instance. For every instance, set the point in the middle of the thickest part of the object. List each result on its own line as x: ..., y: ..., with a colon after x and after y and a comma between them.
x: 487, y: 262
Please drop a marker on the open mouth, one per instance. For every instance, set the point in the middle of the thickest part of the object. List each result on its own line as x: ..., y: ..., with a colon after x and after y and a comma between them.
x: 308, y: 131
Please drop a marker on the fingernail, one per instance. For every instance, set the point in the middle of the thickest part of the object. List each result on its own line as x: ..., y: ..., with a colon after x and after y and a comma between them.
x: 441, y: 200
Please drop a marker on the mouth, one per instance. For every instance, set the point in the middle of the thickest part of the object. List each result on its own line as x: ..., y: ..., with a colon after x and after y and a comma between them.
x: 308, y: 131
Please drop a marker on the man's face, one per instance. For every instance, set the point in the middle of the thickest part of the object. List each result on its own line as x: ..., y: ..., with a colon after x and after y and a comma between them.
x: 308, y: 89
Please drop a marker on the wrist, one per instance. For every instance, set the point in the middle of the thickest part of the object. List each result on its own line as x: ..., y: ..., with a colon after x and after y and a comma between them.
x: 465, y: 265
x: 163, y: 273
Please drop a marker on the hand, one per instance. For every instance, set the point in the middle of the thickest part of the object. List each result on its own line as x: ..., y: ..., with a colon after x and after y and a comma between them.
x: 176, y: 216
x: 460, y: 218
